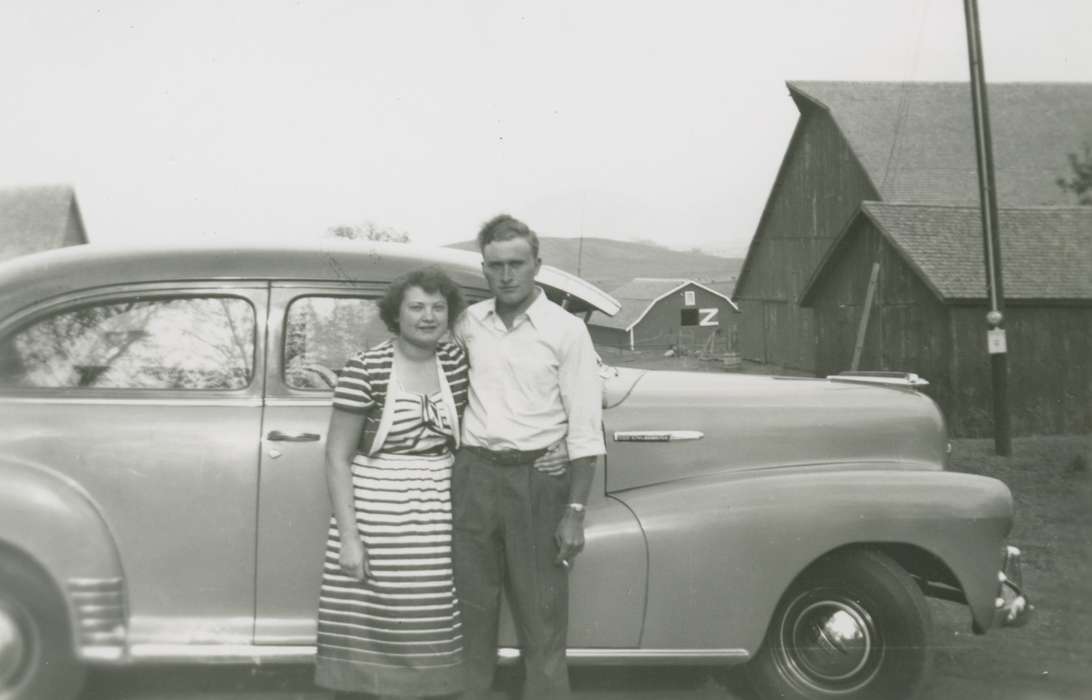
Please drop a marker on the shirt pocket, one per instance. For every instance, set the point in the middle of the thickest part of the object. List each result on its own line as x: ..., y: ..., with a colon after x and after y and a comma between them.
x: 535, y: 371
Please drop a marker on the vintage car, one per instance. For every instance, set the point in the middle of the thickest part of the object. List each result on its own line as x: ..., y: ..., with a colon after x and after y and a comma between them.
x: 163, y: 497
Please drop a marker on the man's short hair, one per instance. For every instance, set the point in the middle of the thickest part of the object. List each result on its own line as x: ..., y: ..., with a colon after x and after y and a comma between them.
x: 504, y: 227
x: 432, y: 280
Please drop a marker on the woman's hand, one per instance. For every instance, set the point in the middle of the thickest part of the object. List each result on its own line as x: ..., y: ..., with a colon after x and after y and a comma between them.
x: 354, y: 560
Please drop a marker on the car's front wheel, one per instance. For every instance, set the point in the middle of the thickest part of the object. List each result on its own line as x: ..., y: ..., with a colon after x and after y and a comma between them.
x: 36, y: 656
x: 853, y: 626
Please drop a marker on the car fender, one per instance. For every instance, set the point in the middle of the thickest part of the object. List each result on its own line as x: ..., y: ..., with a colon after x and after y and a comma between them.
x: 723, y: 550
x: 53, y: 521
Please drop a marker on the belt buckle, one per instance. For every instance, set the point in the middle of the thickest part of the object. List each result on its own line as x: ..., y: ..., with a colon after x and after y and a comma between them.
x: 508, y: 457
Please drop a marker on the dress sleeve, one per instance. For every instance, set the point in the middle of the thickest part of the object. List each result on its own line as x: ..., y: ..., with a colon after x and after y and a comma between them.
x: 457, y: 369
x: 353, y: 392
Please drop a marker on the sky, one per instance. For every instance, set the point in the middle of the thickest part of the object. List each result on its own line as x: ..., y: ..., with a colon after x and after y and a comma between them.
x: 275, y: 120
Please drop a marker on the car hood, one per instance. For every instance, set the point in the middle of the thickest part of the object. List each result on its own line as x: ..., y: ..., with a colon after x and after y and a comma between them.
x: 662, y: 426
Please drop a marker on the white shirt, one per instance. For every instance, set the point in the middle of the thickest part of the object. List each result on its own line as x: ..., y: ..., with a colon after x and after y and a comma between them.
x: 533, y: 384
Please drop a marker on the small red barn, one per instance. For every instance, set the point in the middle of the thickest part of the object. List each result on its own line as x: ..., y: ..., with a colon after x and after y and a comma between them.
x: 658, y: 314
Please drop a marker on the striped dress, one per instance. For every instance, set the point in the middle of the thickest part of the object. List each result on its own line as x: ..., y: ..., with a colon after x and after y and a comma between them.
x: 398, y: 632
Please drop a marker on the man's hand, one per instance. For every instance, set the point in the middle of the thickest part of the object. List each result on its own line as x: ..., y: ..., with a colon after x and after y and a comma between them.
x: 569, y: 537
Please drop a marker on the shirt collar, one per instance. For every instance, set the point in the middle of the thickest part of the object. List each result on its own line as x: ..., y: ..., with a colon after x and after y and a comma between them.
x: 534, y: 312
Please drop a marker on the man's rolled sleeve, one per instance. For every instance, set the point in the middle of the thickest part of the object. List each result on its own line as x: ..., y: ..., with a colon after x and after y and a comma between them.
x: 582, y: 395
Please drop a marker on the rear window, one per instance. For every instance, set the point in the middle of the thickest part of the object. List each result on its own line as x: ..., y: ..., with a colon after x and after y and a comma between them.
x: 187, y: 343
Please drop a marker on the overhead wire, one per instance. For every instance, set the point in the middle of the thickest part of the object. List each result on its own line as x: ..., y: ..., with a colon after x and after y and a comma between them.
x: 903, y: 109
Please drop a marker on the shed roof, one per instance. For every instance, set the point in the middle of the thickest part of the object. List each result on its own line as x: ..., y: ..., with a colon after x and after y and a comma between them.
x: 36, y: 218
x: 1046, y: 252
x: 916, y: 140
x: 639, y: 295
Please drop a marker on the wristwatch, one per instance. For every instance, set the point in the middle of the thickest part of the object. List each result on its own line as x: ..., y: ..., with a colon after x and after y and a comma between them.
x: 578, y: 507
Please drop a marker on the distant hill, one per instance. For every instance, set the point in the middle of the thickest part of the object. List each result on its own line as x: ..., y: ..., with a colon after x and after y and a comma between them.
x: 609, y: 263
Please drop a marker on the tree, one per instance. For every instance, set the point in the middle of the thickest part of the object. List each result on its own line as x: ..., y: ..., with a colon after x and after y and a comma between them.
x: 368, y: 231
x: 1081, y: 182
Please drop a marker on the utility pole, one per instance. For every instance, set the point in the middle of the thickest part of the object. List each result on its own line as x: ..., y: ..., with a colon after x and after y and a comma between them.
x: 991, y: 237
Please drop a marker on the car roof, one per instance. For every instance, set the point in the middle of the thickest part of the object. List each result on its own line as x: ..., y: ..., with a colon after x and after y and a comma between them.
x: 32, y: 278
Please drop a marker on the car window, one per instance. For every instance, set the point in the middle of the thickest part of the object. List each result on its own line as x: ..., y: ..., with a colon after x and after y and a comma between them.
x: 190, y: 343
x: 322, y: 332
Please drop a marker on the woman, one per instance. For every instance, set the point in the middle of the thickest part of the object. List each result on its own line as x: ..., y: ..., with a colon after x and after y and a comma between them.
x: 388, y: 622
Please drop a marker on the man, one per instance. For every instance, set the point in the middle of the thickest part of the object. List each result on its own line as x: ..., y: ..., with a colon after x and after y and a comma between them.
x: 531, y: 437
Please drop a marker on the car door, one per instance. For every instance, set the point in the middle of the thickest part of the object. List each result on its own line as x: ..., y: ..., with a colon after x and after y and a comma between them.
x: 313, y: 330
x: 149, y: 399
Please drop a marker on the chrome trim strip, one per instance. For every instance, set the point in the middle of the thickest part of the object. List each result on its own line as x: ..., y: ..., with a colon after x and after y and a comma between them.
x: 115, y: 635
x: 908, y: 379
x: 247, y: 402
x: 93, y: 608
x: 220, y: 653
x: 103, y: 654
x: 300, y: 403
x: 654, y: 656
x: 100, y: 625
x: 657, y: 435
x: 89, y: 583
x: 249, y: 653
x: 96, y: 597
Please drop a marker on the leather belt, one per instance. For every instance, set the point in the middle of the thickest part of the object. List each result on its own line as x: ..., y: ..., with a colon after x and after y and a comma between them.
x: 507, y: 458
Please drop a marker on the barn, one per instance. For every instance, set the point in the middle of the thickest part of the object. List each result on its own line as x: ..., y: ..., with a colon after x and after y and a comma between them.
x: 658, y: 314
x: 928, y: 308
x: 38, y: 218
x: 889, y: 142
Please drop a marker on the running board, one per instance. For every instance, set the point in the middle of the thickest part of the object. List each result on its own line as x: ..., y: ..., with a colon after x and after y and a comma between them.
x: 251, y: 654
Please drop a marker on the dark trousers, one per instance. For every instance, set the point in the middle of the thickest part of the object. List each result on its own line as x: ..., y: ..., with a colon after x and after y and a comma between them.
x: 505, y: 517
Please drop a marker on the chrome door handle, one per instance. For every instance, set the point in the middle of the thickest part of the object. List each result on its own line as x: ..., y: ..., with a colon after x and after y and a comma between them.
x: 278, y: 436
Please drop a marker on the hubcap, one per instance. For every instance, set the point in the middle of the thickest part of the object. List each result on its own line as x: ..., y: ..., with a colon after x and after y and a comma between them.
x: 14, y: 647
x: 829, y: 643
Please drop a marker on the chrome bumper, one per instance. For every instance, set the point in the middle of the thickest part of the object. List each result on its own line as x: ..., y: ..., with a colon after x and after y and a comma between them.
x: 1012, y: 607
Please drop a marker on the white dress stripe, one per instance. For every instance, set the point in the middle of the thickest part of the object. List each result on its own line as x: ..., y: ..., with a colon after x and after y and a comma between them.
x: 403, y: 621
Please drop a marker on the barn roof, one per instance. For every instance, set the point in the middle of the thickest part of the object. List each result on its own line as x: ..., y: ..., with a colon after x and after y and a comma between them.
x: 916, y: 140
x: 1045, y: 251
x: 36, y: 218
x: 640, y: 294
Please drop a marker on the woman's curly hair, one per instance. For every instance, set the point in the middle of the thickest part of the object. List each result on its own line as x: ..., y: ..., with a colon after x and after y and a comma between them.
x: 432, y: 280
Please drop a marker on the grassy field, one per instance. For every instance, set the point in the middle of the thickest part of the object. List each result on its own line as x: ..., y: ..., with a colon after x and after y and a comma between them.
x: 1051, y: 483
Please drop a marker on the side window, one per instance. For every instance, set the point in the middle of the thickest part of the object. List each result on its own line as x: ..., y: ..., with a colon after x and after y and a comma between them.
x: 321, y: 333
x: 189, y: 343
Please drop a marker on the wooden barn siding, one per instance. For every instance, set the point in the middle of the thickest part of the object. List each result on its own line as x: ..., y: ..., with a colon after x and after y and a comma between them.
x: 752, y: 336
x: 1050, y: 347
x: 661, y: 327
x: 908, y: 326
x: 820, y: 186
x: 1050, y: 369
